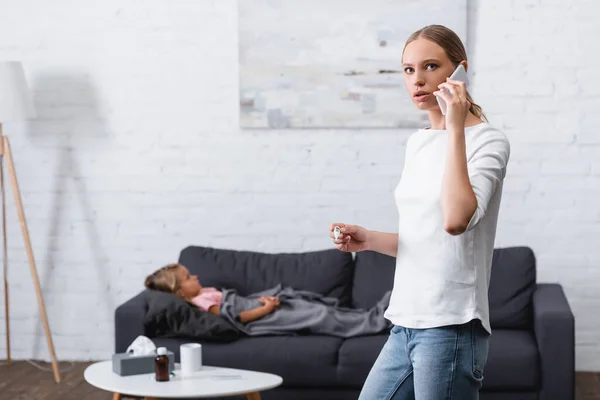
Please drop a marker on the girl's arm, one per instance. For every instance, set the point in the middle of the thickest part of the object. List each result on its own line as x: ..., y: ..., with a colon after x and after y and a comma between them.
x: 255, y: 313
x: 249, y: 315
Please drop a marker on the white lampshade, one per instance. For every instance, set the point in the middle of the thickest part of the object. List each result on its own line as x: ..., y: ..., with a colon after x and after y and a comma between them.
x: 15, y: 99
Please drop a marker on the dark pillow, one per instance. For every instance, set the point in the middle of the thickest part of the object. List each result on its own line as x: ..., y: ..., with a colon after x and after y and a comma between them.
x: 512, y: 284
x: 171, y: 316
x: 374, y: 276
x: 327, y: 272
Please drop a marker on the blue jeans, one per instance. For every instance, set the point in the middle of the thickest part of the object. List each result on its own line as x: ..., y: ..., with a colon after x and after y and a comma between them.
x: 444, y: 363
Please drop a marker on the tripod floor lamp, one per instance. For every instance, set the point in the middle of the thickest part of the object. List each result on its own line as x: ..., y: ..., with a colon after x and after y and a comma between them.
x: 16, y: 104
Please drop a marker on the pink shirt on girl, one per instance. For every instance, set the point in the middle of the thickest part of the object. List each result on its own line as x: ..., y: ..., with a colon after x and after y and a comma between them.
x: 207, y: 298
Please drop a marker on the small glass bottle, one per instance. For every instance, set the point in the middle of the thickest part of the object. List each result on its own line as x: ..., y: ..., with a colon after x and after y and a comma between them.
x: 161, y: 365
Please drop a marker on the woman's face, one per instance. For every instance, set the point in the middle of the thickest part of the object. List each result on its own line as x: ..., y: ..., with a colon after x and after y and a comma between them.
x: 425, y: 66
x: 189, y: 286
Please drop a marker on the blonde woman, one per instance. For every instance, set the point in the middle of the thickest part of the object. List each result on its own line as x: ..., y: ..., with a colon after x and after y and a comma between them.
x: 447, y: 200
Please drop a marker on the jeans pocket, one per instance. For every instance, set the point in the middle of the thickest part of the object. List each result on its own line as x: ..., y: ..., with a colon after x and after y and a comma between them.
x: 479, y: 344
x: 395, y: 329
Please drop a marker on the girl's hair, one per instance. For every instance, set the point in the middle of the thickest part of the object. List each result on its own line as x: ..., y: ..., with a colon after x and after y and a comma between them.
x: 454, y: 48
x: 163, y: 279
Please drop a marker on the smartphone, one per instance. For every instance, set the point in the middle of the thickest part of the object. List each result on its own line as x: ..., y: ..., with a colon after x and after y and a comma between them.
x: 459, y: 74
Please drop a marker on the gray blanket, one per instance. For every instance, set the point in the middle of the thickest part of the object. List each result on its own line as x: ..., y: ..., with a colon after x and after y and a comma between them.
x: 304, y: 312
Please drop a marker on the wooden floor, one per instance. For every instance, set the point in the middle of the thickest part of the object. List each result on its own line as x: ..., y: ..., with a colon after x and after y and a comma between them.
x: 588, y: 386
x: 22, y: 381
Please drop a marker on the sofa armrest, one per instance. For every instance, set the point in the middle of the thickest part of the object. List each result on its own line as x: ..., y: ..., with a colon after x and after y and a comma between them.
x: 129, y: 321
x: 554, y: 328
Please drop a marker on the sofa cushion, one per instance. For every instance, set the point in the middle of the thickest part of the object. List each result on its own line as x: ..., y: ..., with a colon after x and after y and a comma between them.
x: 327, y: 272
x: 513, y: 361
x: 373, y: 277
x: 304, y: 361
x: 511, y: 289
x: 357, y: 356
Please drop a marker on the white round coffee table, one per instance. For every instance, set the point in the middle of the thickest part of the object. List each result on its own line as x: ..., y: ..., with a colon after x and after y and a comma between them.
x: 207, y: 382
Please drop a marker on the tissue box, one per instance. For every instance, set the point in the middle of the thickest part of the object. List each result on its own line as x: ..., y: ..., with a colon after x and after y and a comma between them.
x: 125, y: 364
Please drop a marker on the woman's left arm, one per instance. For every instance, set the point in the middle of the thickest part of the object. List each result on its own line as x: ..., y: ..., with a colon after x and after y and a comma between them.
x: 458, y: 200
x: 467, y: 188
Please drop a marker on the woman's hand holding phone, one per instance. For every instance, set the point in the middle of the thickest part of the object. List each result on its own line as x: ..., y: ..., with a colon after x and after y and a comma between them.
x: 457, y: 105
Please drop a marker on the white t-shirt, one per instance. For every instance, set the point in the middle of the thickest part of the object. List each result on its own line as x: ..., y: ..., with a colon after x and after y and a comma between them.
x: 442, y: 279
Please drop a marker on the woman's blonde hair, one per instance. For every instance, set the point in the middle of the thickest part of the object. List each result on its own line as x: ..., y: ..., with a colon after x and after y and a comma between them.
x: 164, y: 279
x: 454, y: 48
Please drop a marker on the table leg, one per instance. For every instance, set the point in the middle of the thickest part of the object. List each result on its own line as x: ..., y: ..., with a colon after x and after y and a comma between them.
x: 253, y: 396
x: 119, y: 396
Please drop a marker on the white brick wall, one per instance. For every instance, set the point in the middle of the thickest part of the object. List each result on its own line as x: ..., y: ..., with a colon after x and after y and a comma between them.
x: 137, y: 153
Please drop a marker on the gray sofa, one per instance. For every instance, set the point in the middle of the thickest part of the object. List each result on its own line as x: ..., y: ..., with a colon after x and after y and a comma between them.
x: 531, y: 352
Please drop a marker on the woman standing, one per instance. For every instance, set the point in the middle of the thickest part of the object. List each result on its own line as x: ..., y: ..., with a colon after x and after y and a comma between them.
x: 448, y: 200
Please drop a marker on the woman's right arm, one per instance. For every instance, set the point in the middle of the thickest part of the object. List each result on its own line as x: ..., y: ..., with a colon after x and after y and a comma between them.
x: 354, y: 238
x: 383, y: 242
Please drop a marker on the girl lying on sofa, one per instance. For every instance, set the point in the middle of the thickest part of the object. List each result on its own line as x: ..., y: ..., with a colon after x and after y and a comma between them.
x: 278, y: 310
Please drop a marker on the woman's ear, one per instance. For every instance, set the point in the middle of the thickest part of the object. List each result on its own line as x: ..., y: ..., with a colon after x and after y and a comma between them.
x: 465, y: 64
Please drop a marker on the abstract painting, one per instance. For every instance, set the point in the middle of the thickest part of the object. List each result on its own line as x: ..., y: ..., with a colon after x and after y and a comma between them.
x: 332, y: 63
